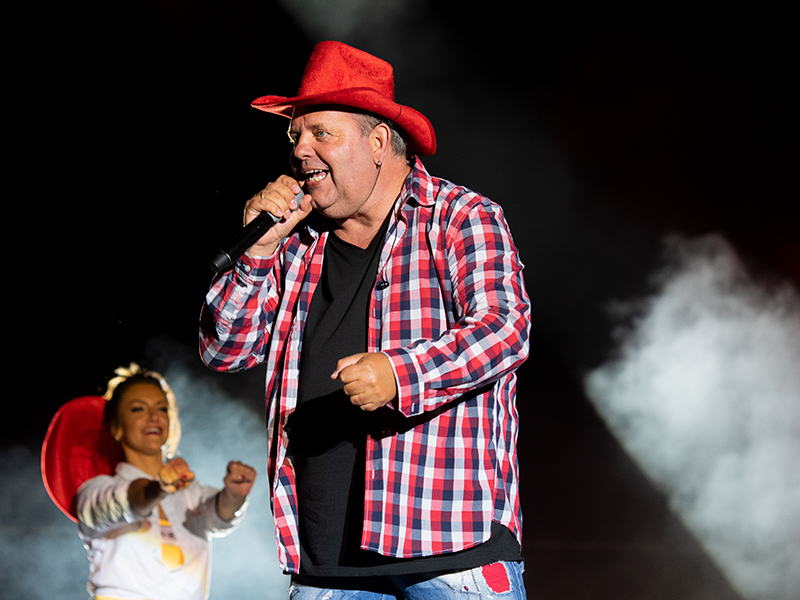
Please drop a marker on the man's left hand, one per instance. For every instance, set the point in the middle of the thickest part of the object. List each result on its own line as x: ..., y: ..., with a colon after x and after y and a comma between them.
x: 368, y: 379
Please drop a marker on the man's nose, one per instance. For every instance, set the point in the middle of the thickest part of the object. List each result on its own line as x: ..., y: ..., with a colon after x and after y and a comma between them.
x: 302, y: 147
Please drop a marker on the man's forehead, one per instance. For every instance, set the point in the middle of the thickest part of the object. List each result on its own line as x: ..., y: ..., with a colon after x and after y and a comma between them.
x: 321, y: 113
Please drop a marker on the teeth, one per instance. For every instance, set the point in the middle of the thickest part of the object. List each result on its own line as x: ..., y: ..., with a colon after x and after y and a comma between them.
x: 315, y: 175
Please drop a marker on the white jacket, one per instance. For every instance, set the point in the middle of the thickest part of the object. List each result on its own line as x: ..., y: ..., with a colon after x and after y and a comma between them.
x: 125, y: 550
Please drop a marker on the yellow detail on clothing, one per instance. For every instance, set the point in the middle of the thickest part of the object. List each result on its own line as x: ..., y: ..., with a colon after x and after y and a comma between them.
x: 171, y: 553
x: 172, y: 556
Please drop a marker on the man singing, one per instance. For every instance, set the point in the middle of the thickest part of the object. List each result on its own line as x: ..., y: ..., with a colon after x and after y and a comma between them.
x: 390, y: 308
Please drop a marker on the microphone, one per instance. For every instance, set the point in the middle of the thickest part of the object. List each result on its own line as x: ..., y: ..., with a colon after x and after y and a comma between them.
x: 248, y: 236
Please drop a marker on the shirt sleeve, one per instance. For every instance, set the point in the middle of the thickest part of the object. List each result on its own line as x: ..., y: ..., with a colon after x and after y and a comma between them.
x: 102, y: 505
x: 204, y: 519
x: 490, y: 336
x: 237, y: 318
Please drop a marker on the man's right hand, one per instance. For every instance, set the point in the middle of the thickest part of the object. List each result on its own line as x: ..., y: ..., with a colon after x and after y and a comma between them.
x: 277, y: 199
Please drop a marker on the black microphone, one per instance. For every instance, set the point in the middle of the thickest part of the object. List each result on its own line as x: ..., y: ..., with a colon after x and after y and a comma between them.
x: 248, y: 236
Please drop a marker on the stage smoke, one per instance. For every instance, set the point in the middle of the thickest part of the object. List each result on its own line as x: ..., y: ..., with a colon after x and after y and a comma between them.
x: 705, y: 395
x: 41, y: 554
x: 322, y: 23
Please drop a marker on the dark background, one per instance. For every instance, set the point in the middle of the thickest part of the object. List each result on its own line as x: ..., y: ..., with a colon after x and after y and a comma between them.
x: 139, y: 149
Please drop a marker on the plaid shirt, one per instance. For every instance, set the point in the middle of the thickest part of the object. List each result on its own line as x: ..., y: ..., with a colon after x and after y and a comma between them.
x: 450, y: 310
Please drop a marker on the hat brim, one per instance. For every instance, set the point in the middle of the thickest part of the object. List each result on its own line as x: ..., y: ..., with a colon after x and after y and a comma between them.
x: 76, y: 448
x: 419, y: 134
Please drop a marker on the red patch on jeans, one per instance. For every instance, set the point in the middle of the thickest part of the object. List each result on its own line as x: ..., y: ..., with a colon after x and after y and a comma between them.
x: 496, y: 577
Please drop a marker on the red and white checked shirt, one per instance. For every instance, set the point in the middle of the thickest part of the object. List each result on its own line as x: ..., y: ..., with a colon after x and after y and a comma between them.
x: 454, y: 321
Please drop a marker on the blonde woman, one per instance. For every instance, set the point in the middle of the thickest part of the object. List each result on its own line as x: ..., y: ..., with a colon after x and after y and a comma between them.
x: 147, y: 526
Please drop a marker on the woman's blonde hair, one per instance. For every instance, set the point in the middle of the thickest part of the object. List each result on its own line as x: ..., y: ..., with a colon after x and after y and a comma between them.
x: 127, y: 376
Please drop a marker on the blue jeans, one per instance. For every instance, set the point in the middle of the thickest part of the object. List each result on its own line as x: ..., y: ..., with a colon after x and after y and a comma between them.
x: 500, y: 581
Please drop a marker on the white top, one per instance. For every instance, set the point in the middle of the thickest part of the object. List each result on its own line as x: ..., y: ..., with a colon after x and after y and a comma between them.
x: 125, y: 549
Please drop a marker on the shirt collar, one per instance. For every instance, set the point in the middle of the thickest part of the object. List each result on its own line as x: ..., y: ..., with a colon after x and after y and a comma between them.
x: 419, y: 186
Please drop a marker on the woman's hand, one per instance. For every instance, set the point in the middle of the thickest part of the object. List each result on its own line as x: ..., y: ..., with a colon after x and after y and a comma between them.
x: 175, y: 475
x: 240, y: 478
x: 238, y: 481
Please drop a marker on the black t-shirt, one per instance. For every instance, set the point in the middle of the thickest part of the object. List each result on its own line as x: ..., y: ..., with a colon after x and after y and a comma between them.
x: 327, y: 434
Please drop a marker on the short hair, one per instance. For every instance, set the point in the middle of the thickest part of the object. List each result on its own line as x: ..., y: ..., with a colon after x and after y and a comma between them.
x: 368, y: 122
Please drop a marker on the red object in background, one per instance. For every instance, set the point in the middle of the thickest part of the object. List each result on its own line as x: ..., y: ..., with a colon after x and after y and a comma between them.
x: 76, y: 448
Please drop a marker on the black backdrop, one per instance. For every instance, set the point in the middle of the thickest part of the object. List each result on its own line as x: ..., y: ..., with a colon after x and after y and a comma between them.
x: 135, y: 149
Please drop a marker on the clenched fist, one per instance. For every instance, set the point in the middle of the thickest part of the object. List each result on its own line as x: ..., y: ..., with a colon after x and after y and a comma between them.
x: 368, y: 379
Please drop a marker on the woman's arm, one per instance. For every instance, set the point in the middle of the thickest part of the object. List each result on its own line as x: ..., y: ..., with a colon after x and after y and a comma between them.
x: 239, y: 481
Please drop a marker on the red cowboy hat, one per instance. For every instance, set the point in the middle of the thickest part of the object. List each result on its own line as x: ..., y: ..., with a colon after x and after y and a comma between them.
x: 340, y: 74
x: 76, y: 448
